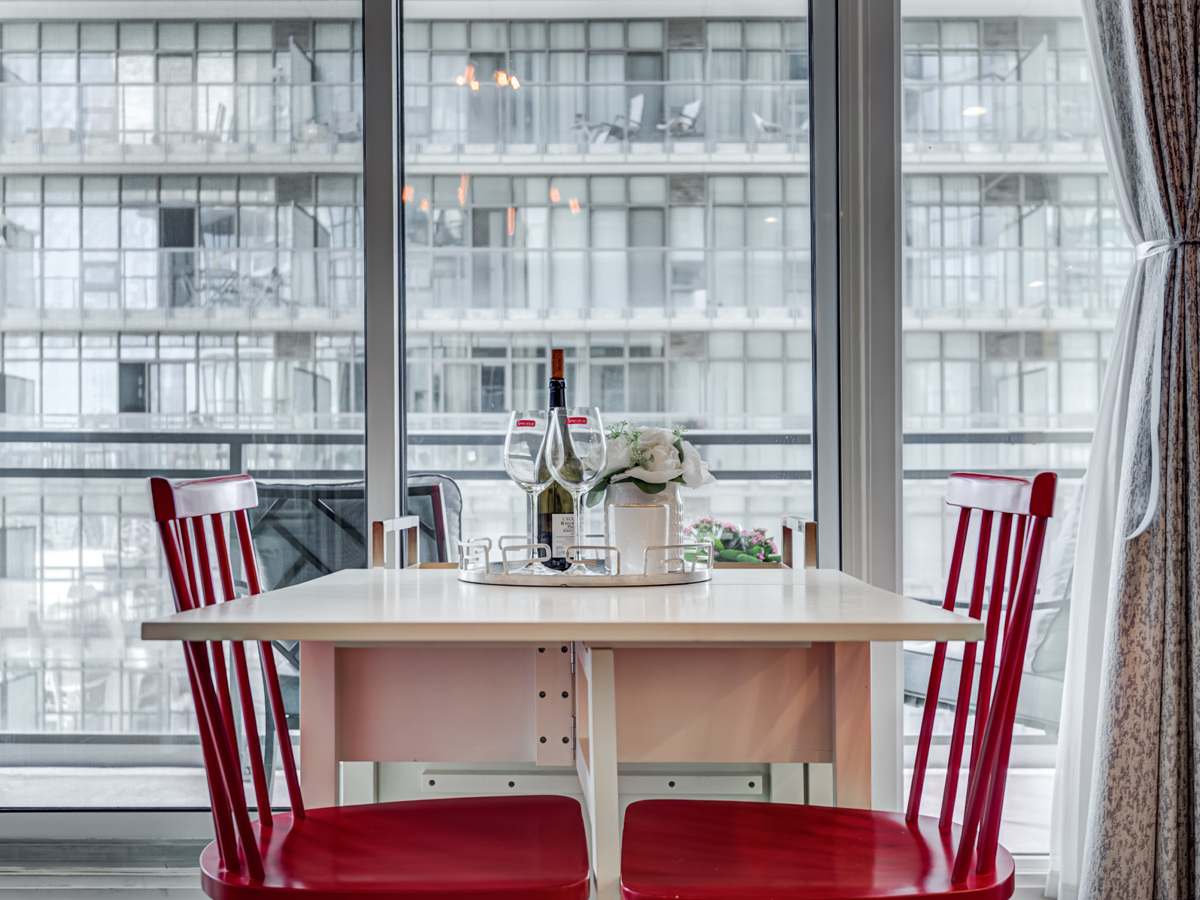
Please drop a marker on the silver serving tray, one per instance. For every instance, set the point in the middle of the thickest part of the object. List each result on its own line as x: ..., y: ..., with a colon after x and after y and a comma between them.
x: 476, y: 567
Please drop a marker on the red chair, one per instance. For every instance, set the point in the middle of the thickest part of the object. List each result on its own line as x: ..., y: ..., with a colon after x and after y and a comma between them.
x: 504, y: 848
x: 703, y: 850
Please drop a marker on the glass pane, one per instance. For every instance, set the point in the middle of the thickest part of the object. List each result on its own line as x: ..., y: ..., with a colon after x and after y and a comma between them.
x: 1007, y: 292
x: 659, y: 243
x: 200, y: 322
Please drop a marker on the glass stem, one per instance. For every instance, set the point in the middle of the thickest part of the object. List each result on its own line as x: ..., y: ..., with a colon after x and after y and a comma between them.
x: 533, y: 531
x: 580, y: 531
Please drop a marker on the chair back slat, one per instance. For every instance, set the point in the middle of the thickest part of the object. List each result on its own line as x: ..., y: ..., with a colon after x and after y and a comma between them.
x: 1026, y: 503
x: 245, y: 696
x: 1019, y: 547
x: 222, y: 817
x: 226, y: 759
x: 983, y: 698
x: 935, y: 673
x: 985, y: 796
x: 221, y: 809
x: 216, y: 648
x: 274, y: 694
x: 186, y: 512
x: 189, y: 558
x: 966, y: 677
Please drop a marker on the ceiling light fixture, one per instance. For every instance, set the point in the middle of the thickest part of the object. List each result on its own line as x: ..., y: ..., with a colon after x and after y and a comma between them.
x: 975, y: 111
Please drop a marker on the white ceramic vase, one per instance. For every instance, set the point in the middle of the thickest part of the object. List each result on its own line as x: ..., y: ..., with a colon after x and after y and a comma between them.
x: 635, y: 520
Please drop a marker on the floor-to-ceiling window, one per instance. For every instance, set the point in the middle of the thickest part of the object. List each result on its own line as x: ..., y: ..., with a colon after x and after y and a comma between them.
x: 180, y: 294
x: 181, y: 218
x: 1014, y: 263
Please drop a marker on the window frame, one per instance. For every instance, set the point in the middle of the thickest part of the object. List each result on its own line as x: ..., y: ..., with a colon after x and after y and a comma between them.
x: 854, y: 48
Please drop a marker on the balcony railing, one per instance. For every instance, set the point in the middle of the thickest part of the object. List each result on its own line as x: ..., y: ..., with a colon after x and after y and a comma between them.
x: 213, y: 123
x: 603, y: 120
x: 443, y: 285
x: 200, y: 283
x: 449, y: 284
x: 185, y: 123
x: 1022, y: 284
x: 948, y: 121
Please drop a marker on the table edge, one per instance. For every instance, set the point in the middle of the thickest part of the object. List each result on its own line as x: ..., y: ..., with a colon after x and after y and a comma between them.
x: 664, y: 633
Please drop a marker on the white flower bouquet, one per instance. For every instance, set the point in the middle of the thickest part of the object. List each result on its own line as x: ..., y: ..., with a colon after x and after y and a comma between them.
x: 650, y: 458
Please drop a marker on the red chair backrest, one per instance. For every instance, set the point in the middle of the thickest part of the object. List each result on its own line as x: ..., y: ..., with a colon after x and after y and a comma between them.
x: 190, y: 516
x: 1026, y: 503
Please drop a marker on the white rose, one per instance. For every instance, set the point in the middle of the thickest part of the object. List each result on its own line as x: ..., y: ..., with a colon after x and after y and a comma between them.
x: 658, y: 446
x: 662, y: 463
x: 645, y: 475
x: 620, y: 455
x: 695, y: 470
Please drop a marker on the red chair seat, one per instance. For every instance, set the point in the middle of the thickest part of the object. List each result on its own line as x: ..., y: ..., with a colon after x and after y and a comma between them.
x: 721, y: 850
x: 504, y: 848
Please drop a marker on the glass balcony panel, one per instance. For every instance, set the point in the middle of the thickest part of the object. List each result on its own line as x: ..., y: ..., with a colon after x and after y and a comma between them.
x: 611, y: 277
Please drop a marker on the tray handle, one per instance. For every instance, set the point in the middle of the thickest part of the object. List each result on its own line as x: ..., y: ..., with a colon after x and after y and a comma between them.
x: 504, y: 551
x: 675, y: 565
x: 470, y: 551
x: 596, y: 547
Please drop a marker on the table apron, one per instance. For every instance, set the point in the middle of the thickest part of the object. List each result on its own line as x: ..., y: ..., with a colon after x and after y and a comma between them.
x: 471, y: 703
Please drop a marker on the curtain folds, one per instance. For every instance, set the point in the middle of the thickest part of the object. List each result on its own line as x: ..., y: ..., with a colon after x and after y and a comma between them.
x: 1126, y: 809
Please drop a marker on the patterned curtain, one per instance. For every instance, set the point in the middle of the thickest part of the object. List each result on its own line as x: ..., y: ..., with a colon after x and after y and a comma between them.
x: 1143, y: 808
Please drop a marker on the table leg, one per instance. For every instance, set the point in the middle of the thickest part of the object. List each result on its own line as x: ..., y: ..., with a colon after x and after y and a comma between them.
x: 600, y: 791
x: 852, y: 724
x: 318, y: 724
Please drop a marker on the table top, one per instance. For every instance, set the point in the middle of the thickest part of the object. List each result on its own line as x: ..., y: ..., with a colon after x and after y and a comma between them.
x: 761, y: 607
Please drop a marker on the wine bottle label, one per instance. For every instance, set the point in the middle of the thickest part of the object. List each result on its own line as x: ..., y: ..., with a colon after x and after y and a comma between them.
x: 563, y: 535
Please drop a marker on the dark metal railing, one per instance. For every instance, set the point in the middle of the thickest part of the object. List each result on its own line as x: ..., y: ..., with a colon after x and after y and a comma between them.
x: 236, y: 457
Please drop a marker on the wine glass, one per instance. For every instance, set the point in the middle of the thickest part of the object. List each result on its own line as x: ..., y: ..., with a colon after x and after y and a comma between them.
x: 577, y: 454
x: 525, y: 463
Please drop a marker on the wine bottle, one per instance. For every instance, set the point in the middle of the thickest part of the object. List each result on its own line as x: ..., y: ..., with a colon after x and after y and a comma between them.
x: 556, y: 510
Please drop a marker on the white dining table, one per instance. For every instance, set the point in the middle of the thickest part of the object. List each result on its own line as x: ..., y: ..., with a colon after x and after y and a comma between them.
x: 756, y: 665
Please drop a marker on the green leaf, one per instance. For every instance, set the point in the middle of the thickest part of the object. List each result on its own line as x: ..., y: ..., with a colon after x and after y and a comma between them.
x: 730, y: 555
x: 774, y: 557
x: 646, y: 487
x: 746, y: 557
x: 717, y: 545
x: 596, y: 494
